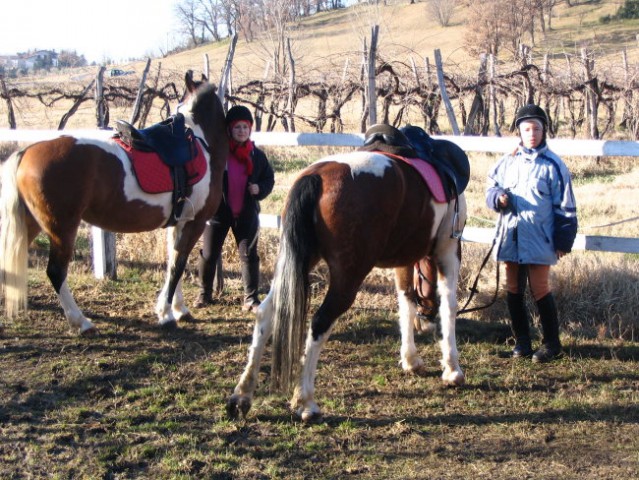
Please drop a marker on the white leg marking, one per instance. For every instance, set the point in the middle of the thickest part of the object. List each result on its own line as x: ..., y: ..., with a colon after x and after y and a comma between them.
x: 261, y: 333
x: 452, y: 374
x: 163, y: 309
x: 410, y: 360
x: 74, y: 315
x: 304, y: 394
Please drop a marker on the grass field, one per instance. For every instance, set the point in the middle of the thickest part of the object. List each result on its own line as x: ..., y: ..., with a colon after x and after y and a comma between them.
x: 140, y: 402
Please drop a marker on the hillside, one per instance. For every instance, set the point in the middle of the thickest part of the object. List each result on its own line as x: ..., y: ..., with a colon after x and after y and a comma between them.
x: 322, y: 43
x: 329, y: 45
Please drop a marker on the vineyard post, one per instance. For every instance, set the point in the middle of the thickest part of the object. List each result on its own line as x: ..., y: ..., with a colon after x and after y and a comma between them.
x: 444, y: 93
x: 372, y: 91
x: 138, y: 99
x: 104, y: 255
x: 10, y: 114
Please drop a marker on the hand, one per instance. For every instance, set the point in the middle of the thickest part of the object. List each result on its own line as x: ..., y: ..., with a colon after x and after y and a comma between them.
x: 253, y: 188
x: 560, y: 253
x: 503, y: 201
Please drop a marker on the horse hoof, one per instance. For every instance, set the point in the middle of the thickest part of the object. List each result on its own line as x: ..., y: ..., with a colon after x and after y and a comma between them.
x: 90, y: 332
x: 187, y: 317
x: 412, y: 366
x: 454, y: 379
x: 170, y: 325
x: 238, y: 404
x: 310, y: 416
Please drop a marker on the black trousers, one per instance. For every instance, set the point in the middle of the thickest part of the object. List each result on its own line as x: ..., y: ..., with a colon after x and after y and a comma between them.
x: 246, y: 232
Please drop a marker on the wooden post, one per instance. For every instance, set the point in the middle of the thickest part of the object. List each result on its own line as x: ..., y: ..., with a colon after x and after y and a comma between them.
x: 100, y: 104
x: 493, y: 94
x: 429, y: 78
x: 138, y: 99
x: 478, y: 107
x: 104, y: 256
x: 372, y: 91
x: 207, y: 70
x: 591, y: 94
x: 362, y: 75
x: 415, y: 72
x: 442, y: 89
x: 226, y: 71
x: 291, y: 86
x: 10, y: 114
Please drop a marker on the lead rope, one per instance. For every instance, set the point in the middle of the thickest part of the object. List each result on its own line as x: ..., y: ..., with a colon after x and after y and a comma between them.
x: 473, y: 289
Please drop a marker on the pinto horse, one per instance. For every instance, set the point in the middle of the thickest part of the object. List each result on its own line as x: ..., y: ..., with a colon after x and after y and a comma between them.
x: 355, y: 211
x: 53, y: 185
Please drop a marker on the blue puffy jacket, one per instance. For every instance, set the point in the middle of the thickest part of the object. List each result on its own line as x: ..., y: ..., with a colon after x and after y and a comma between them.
x: 542, y: 215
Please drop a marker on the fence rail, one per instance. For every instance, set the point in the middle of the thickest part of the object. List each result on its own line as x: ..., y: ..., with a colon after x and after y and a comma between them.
x: 499, y: 145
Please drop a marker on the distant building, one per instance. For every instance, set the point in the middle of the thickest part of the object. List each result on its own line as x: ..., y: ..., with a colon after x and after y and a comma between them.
x: 30, y: 60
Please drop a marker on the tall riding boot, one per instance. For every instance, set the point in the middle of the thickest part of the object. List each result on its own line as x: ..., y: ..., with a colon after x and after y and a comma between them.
x: 550, y: 344
x: 206, y: 273
x: 251, y: 281
x: 519, y: 322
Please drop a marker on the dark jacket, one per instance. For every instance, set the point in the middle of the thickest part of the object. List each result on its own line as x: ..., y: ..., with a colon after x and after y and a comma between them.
x: 262, y: 175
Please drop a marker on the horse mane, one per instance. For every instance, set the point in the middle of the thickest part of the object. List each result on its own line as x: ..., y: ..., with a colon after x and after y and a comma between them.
x: 205, y: 107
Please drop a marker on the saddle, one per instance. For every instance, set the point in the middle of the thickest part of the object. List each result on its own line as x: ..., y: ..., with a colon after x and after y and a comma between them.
x: 174, y: 143
x: 447, y: 157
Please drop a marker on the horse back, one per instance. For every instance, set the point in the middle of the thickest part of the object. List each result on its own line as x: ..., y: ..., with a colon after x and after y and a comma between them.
x: 72, y: 179
x: 374, y: 207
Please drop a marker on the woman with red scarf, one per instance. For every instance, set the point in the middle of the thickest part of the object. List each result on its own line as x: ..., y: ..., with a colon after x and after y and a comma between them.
x: 248, y: 179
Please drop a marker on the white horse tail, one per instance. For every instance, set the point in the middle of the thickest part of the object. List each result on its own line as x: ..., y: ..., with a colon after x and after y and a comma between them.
x: 13, y: 240
x: 298, y: 247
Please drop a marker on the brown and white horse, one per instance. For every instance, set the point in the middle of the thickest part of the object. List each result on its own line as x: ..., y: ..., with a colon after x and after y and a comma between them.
x: 53, y: 185
x: 355, y: 211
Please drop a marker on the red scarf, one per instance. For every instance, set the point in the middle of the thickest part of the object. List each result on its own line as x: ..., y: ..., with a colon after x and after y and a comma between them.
x: 243, y: 154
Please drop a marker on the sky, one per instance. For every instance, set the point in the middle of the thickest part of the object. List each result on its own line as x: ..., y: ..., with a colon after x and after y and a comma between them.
x: 99, y: 30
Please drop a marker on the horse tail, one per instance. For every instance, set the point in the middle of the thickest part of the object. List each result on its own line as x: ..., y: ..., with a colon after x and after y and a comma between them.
x: 298, y: 247
x: 13, y: 240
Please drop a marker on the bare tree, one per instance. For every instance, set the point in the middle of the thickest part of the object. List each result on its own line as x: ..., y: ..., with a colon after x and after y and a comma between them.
x: 211, y: 17
x: 495, y: 25
x: 441, y: 10
x: 187, y: 16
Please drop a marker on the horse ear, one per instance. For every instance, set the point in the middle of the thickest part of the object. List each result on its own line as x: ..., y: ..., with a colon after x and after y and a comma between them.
x: 188, y: 79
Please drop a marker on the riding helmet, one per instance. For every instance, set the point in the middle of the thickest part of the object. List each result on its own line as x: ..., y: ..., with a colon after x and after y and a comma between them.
x: 237, y: 113
x: 531, y: 111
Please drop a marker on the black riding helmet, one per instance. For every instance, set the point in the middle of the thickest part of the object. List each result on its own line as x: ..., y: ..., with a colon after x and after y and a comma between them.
x: 531, y: 111
x: 237, y: 113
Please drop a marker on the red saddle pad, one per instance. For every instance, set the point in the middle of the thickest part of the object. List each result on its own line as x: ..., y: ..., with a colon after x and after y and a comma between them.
x: 154, y: 176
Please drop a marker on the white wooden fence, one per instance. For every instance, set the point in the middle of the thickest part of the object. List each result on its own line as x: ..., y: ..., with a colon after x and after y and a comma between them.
x: 563, y: 147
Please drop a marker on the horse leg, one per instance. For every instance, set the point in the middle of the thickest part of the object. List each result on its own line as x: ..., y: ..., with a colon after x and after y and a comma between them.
x: 60, y: 253
x: 448, y: 273
x: 241, y: 400
x: 410, y: 360
x: 170, y: 306
x: 339, y: 298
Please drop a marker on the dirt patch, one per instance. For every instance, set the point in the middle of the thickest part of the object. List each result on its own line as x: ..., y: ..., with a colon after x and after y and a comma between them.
x: 141, y: 402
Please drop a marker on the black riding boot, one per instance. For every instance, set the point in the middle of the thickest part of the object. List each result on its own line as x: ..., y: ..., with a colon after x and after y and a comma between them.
x: 550, y: 344
x: 251, y: 281
x: 206, y: 273
x: 519, y: 322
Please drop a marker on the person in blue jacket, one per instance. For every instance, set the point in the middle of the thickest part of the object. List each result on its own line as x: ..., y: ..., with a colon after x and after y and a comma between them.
x: 248, y: 179
x: 532, y: 190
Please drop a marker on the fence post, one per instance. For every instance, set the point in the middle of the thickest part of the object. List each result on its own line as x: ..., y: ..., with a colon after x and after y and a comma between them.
x: 138, y: 99
x: 104, y: 258
x: 10, y: 115
x: 444, y: 94
x: 372, y: 91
